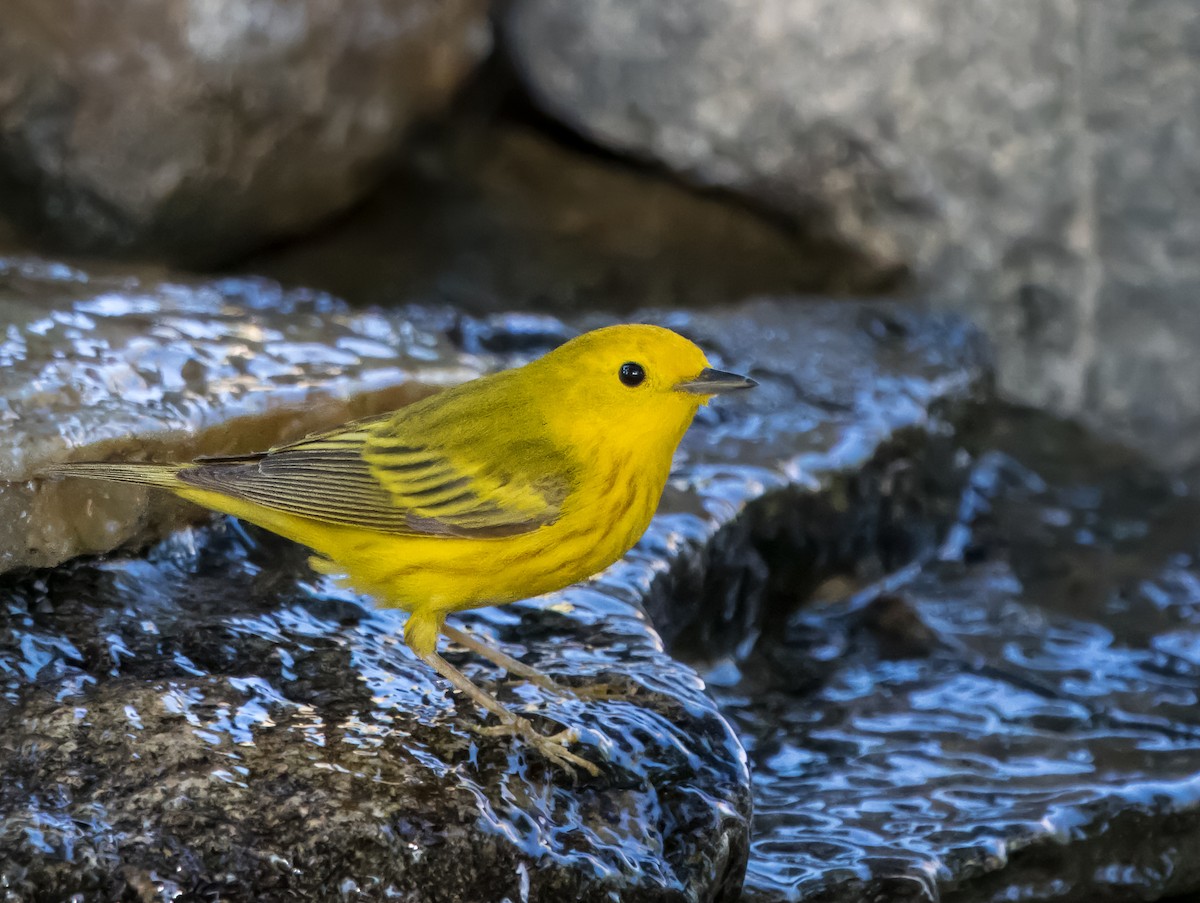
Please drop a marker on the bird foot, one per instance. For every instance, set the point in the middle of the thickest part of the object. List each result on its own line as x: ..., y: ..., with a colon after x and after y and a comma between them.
x: 553, y: 748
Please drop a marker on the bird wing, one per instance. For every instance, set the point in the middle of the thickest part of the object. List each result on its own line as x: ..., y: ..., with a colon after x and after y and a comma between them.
x: 378, y: 474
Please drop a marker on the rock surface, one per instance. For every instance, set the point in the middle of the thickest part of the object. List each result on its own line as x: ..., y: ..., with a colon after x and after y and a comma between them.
x: 1014, y: 721
x: 1139, y: 334
x: 215, y: 719
x: 984, y: 694
x: 1031, y: 163
x: 197, y: 131
x: 209, y: 723
x: 94, y: 366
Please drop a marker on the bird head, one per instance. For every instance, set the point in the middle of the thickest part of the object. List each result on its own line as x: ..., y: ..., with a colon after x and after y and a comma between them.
x: 631, y: 383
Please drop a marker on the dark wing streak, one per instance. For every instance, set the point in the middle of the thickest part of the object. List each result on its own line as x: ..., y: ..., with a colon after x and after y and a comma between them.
x: 431, y: 526
x: 230, y: 459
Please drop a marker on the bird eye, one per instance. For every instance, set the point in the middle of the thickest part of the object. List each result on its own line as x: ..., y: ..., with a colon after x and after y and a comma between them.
x: 632, y: 374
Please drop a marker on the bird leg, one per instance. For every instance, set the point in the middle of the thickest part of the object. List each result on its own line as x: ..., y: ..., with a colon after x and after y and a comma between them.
x: 527, y: 672
x: 507, y: 662
x: 511, y: 724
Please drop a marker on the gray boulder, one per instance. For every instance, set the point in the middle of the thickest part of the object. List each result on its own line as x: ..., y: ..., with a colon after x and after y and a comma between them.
x: 198, y: 130
x: 1031, y: 163
x: 879, y: 125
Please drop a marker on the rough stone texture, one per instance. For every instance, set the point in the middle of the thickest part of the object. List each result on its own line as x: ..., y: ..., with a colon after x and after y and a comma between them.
x: 1033, y: 163
x: 215, y: 719
x: 1143, y: 331
x: 197, y: 130
x: 499, y: 217
x: 215, y: 723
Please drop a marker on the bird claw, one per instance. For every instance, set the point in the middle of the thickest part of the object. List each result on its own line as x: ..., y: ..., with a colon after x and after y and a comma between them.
x: 553, y: 748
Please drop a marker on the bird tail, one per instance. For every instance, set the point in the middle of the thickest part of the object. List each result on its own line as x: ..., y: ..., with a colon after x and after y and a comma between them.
x: 164, y: 475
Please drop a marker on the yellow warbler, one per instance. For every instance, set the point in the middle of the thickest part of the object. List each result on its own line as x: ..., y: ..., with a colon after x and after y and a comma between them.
x: 505, y: 487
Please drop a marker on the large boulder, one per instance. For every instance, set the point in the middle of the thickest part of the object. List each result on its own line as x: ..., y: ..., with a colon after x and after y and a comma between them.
x: 214, y: 719
x: 252, y: 734
x: 1030, y: 162
x: 908, y: 130
x: 197, y: 130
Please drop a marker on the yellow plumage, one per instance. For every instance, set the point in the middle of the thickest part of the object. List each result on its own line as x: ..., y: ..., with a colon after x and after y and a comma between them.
x: 506, y: 487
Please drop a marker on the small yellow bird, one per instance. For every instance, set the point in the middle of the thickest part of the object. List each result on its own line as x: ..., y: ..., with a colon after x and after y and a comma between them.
x: 502, y: 488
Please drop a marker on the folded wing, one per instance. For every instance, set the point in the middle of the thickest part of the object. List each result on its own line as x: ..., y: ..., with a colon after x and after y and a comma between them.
x: 379, y: 475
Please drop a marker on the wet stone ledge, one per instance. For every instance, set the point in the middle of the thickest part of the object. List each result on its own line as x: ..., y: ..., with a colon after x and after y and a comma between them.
x: 93, y: 367
x: 1014, y: 720
x: 211, y: 718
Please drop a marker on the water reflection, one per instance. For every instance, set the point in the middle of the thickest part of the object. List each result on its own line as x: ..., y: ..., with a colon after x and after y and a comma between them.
x: 1008, y: 703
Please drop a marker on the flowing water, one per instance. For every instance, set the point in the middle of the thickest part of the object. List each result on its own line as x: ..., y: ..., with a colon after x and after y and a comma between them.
x: 1016, y: 719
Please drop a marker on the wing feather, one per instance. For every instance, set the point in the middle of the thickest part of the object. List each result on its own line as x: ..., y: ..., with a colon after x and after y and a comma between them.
x: 376, y: 474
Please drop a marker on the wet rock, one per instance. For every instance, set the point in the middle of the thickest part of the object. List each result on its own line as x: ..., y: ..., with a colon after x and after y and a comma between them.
x: 216, y: 719
x: 1030, y: 163
x: 495, y: 217
x: 898, y: 628
x: 197, y: 131
x: 848, y: 464
x: 1038, y: 740
x: 216, y: 722
x: 96, y: 367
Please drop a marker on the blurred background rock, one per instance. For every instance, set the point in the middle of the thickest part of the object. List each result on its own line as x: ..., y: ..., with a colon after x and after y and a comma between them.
x: 195, y: 130
x: 1031, y: 163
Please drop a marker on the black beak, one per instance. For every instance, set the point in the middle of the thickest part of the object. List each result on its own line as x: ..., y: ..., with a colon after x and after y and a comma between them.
x: 714, y: 382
